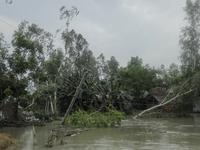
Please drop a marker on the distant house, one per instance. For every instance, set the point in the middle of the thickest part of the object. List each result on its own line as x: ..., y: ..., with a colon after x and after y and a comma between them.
x: 155, y: 96
x: 150, y: 98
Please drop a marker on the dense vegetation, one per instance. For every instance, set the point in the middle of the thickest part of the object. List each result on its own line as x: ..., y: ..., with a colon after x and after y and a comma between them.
x: 38, y: 76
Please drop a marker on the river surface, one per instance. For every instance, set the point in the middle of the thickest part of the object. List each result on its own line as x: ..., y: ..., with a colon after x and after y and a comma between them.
x: 181, y: 134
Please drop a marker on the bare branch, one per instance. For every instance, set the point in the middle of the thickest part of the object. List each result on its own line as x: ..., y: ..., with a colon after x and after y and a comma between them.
x: 102, y: 106
x: 178, y: 96
x: 165, y: 98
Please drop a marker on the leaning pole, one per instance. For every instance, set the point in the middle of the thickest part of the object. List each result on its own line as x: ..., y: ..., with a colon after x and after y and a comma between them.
x: 74, y: 97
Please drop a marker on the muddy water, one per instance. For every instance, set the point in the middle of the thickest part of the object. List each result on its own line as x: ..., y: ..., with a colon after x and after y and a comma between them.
x: 181, y: 134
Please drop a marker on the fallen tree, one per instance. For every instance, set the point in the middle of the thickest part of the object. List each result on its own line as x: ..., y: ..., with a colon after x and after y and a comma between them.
x: 165, y: 101
x: 75, y: 96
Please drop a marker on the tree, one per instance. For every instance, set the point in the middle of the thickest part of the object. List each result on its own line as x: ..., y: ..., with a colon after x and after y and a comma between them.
x: 68, y: 15
x: 3, y: 67
x: 3, y: 55
x: 31, y: 46
x: 101, y: 63
x: 107, y: 68
x: 51, y: 67
x: 168, y: 77
x: 26, y: 63
x: 78, y: 54
x: 78, y: 58
x: 189, y: 38
x: 11, y: 89
x: 137, y: 78
x: 112, y: 68
x: 135, y: 61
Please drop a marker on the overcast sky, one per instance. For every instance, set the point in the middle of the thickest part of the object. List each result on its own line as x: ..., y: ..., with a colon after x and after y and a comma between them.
x: 148, y: 29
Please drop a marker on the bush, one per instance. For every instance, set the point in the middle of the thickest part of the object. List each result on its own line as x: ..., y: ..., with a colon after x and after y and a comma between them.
x: 81, y: 118
x: 113, y: 116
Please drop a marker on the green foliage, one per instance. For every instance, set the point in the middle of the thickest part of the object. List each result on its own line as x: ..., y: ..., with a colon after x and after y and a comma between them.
x: 68, y: 14
x: 42, y: 116
x: 38, y: 114
x: 81, y: 118
x: 168, y: 77
x: 114, y: 116
x: 136, y: 61
x: 26, y: 62
x: 78, y: 54
x: 8, y: 92
x: 78, y: 58
x: 182, y: 106
x: 3, y: 55
x: 137, y: 78
x: 53, y: 64
x: 57, y: 73
x: 189, y: 38
x: 25, y: 100
x: 111, y: 68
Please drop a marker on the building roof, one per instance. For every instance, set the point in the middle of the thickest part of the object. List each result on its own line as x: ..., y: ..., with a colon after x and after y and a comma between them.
x: 158, y: 93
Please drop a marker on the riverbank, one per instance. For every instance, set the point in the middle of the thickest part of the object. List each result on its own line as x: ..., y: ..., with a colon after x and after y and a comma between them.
x: 10, y: 123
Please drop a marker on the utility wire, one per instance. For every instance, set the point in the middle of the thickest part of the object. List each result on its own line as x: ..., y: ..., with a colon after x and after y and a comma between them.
x: 8, y: 24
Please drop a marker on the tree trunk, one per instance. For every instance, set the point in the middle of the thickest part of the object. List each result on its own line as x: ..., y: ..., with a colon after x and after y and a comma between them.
x: 33, y: 101
x: 163, y: 103
x: 74, y: 97
x: 51, y: 105
x: 55, y: 103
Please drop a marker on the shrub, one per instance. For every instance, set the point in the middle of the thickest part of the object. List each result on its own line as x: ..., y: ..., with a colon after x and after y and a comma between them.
x: 81, y: 118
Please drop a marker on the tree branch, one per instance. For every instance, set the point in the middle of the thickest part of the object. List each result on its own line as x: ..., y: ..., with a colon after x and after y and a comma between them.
x: 33, y: 101
x: 102, y: 106
x: 162, y: 104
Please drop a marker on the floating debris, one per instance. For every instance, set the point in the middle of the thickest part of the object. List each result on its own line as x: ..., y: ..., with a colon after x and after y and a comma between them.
x: 7, y: 141
x: 60, y: 134
x: 70, y: 132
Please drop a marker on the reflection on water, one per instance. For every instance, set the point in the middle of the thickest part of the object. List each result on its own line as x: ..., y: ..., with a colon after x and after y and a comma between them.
x: 181, y: 133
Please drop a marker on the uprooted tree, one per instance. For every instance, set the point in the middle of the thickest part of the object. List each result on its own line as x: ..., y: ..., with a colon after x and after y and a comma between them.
x: 176, y: 94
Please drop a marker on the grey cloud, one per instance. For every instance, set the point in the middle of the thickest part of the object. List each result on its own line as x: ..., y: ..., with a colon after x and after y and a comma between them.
x: 122, y: 28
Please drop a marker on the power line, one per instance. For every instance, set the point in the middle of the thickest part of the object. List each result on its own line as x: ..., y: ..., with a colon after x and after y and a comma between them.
x: 8, y: 24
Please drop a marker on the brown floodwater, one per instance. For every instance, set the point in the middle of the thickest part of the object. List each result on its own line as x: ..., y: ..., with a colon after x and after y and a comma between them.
x: 181, y: 134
